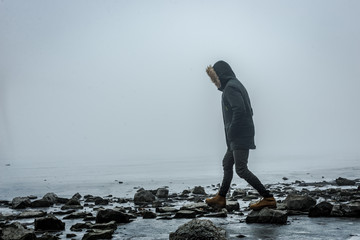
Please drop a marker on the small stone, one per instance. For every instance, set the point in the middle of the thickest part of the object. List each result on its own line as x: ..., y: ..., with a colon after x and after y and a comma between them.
x: 50, y: 197
x: 322, y: 209
x: 16, y: 231
x: 166, y: 210
x: 98, y: 234
x: 31, y: 214
x: 185, y: 214
x: 232, y: 206
x: 299, y: 202
x: 149, y: 215
x: 41, y: 203
x: 285, y: 178
x: 199, y: 190
x: 143, y: 196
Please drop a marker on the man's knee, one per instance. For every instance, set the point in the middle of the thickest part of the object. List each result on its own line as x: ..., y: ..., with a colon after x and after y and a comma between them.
x: 242, y: 172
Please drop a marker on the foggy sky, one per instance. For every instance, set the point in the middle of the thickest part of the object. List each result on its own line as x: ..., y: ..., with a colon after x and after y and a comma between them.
x: 125, y: 80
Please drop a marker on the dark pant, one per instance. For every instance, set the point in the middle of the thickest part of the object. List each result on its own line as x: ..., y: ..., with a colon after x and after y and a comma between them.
x: 240, y: 158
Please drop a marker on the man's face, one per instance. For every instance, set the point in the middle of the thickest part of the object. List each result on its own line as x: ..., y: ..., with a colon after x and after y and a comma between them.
x: 213, y: 76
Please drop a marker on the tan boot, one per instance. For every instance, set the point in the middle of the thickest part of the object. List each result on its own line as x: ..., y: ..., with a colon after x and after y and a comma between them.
x: 216, y: 202
x: 269, y: 202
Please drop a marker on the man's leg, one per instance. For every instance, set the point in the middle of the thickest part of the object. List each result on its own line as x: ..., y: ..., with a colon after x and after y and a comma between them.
x: 228, y: 164
x: 219, y: 201
x: 241, y: 161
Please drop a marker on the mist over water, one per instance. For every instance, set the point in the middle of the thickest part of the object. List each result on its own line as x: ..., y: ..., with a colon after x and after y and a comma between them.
x: 118, y: 89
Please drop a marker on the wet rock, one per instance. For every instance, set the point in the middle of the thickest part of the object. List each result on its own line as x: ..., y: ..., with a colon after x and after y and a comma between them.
x: 16, y: 231
x: 185, y: 214
x: 351, y: 209
x: 239, y: 193
x: 101, y: 201
x: 108, y: 215
x: 48, y: 236
x: 78, y: 227
x: 149, y: 215
x: 336, y: 211
x: 31, y: 214
x: 199, y: 190
x: 103, y: 226
x: 78, y: 215
x: 77, y: 196
x: 143, y: 197
x: 232, y: 206
x: 20, y: 203
x: 70, y: 235
x: 285, y: 178
x: 98, y: 234
x: 162, y: 193
x: 73, y: 203
x: 198, y: 229
x: 166, y: 210
x: 267, y: 215
x: 50, y: 197
x: 220, y: 214
x: 322, y: 209
x: 299, y: 202
x: 344, y: 182
x: 49, y: 223
x: 195, y: 206
x: 41, y: 203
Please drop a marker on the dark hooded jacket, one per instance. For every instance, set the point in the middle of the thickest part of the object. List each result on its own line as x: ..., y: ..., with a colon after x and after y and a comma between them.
x: 236, y: 108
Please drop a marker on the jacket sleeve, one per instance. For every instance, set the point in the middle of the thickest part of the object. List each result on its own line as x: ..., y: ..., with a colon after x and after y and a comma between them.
x: 237, y: 105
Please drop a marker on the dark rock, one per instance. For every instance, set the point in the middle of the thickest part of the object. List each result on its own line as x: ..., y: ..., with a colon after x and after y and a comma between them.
x: 267, y: 215
x: 98, y: 234
x: 108, y: 215
x: 199, y: 190
x: 48, y: 236
x: 49, y: 223
x: 149, y: 215
x: 101, y: 201
x: 322, y: 209
x: 351, y: 209
x: 20, y: 203
x: 73, y: 203
x: 103, y: 226
x: 78, y: 215
x: 143, y: 196
x: 16, y: 231
x: 185, y: 214
x: 78, y: 227
x: 70, y: 235
x: 166, y: 210
x: 220, y: 214
x: 232, y: 206
x: 344, y: 182
x: 299, y: 202
x: 285, y: 178
x: 239, y: 193
x: 41, y: 203
x: 162, y: 193
x: 336, y: 211
x: 76, y: 196
x: 198, y: 230
x: 50, y: 197
x: 31, y: 214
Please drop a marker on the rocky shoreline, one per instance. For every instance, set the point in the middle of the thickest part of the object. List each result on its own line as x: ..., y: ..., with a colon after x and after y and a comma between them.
x: 93, y: 217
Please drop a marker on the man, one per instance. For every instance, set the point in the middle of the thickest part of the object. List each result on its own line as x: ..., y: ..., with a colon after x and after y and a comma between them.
x: 239, y: 132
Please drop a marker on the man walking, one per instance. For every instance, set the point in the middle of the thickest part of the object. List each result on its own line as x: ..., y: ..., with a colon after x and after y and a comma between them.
x: 239, y: 132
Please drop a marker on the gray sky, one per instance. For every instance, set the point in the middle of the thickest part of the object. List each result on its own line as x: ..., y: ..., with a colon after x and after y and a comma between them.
x: 119, y: 80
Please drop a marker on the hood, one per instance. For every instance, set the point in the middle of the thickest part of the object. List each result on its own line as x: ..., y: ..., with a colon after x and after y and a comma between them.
x: 224, y: 72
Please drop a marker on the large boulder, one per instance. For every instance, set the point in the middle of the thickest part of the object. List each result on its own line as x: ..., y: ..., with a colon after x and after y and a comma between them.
x: 108, y: 215
x: 49, y: 223
x: 16, y: 231
x: 20, y: 203
x: 344, y: 182
x: 322, y: 209
x: 198, y: 230
x: 267, y: 215
x: 351, y: 209
x: 50, y: 197
x: 143, y: 197
x: 299, y: 202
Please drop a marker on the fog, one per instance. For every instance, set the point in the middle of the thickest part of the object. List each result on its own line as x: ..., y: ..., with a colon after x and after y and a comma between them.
x: 123, y: 81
